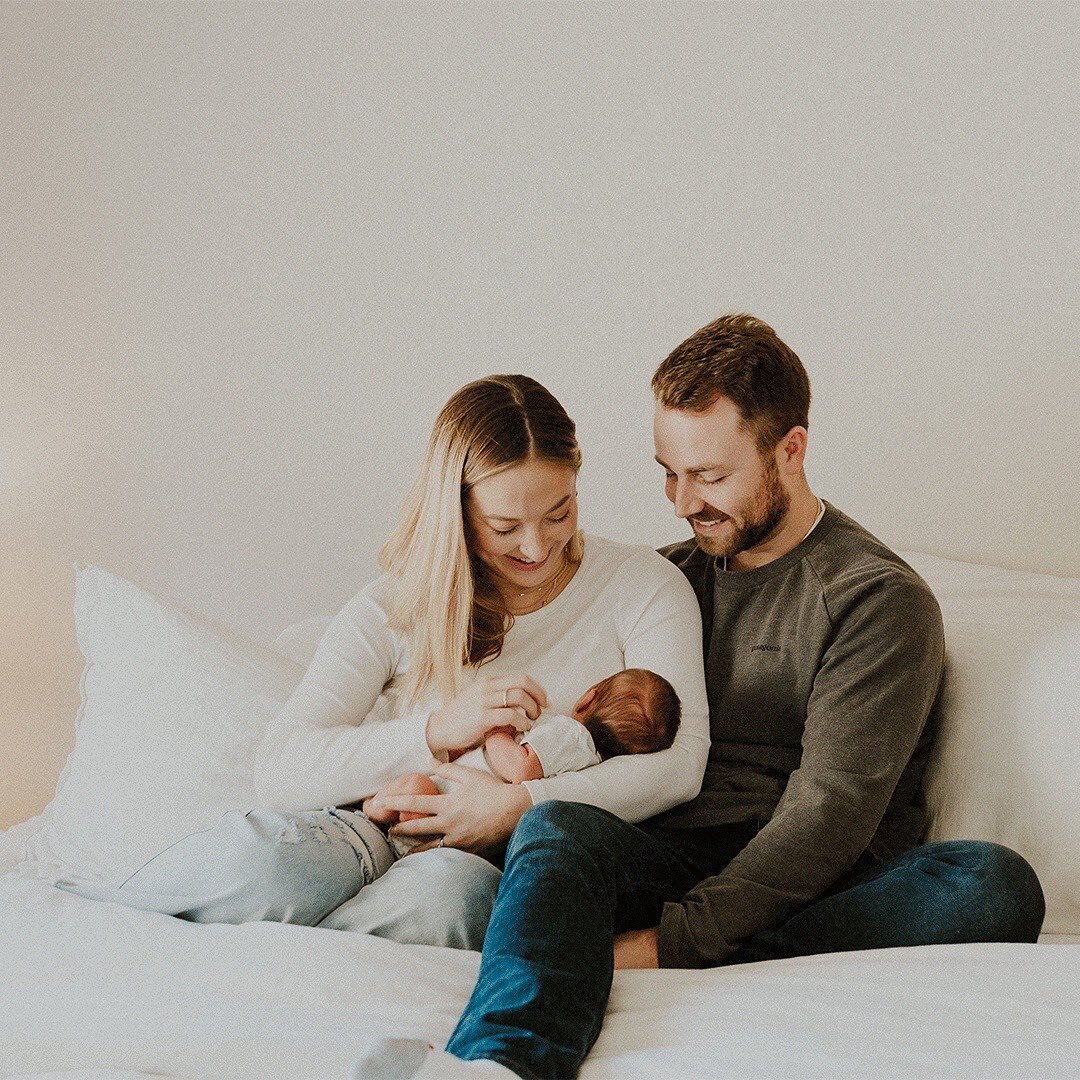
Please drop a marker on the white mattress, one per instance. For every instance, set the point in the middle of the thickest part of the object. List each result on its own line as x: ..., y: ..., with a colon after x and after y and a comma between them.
x: 92, y: 990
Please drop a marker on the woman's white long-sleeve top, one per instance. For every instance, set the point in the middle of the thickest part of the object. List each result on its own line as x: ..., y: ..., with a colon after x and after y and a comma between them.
x: 341, y: 736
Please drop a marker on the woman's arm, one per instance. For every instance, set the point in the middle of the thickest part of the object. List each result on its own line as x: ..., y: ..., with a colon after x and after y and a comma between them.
x: 318, y: 751
x: 660, y: 624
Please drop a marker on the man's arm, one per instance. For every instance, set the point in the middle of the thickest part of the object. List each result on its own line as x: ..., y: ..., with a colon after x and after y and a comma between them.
x: 872, y: 695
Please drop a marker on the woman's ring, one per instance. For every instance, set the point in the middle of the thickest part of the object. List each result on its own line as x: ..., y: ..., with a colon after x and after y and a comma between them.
x: 504, y: 699
x: 442, y: 840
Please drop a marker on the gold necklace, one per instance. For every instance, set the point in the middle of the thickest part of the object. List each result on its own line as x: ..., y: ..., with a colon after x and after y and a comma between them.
x: 549, y: 588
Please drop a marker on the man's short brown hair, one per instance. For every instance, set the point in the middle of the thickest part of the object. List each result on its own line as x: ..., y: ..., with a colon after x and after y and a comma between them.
x: 741, y: 358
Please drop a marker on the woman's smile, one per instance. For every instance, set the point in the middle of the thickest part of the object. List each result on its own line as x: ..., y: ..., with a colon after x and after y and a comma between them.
x: 529, y: 567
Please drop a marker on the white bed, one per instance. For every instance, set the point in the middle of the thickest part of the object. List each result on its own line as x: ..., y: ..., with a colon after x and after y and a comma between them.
x: 96, y: 990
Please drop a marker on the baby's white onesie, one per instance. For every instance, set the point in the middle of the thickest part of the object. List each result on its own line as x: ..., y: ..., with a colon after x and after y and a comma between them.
x: 560, y: 742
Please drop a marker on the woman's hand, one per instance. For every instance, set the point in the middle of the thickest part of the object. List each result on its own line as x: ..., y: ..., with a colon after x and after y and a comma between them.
x: 478, y: 814
x: 492, y: 701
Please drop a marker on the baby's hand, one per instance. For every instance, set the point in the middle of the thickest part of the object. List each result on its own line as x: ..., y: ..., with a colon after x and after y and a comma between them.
x: 506, y: 729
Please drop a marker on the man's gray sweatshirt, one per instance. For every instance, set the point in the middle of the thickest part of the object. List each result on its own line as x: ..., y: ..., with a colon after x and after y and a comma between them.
x: 824, y: 672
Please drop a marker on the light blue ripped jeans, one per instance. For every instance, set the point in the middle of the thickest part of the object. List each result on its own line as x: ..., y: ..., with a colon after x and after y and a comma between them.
x: 330, y: 868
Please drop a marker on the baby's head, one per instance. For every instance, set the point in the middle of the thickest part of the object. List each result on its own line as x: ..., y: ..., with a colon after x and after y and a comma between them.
x: 631, y: 712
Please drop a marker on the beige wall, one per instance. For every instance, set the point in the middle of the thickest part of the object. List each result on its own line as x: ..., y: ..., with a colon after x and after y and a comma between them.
x: 249, y: 249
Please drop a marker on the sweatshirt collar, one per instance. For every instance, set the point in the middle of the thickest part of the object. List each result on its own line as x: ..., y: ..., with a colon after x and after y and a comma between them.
x: 744, y: 579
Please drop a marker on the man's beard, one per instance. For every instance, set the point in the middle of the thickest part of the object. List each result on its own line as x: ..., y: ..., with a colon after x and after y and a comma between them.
x: 767, y: 509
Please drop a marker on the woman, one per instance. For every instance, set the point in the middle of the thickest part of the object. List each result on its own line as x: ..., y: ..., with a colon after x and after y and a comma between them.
x: 492, y: 606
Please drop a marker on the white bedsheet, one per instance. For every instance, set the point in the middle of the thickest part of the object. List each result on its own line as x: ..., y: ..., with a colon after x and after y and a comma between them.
x: 98, y: 992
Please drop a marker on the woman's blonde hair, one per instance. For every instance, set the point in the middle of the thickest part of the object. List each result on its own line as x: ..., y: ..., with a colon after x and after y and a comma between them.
x: 445, y: 600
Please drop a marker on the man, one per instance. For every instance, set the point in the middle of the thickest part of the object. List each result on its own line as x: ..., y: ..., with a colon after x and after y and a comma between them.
x: 824, y: 658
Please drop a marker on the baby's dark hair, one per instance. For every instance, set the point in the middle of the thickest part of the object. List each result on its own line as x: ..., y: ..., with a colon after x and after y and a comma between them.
x: 635, y: 711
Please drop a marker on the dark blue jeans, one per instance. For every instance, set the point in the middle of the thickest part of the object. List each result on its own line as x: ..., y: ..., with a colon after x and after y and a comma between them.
x: 575, y: 875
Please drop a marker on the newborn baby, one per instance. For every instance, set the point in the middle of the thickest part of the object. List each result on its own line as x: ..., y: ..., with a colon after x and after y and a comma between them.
x: 634, y: 711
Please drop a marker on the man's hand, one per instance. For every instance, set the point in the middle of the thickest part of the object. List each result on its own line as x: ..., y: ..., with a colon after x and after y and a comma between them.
x: 478, y: 814
x: 638, y: 949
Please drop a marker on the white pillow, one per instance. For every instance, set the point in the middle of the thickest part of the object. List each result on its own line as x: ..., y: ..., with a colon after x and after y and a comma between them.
x: 172, y: 708
x: 1007, y: 756
x: 299, y: 641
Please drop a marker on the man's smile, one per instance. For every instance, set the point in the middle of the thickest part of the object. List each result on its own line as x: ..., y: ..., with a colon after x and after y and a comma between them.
x: 707, y: 525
